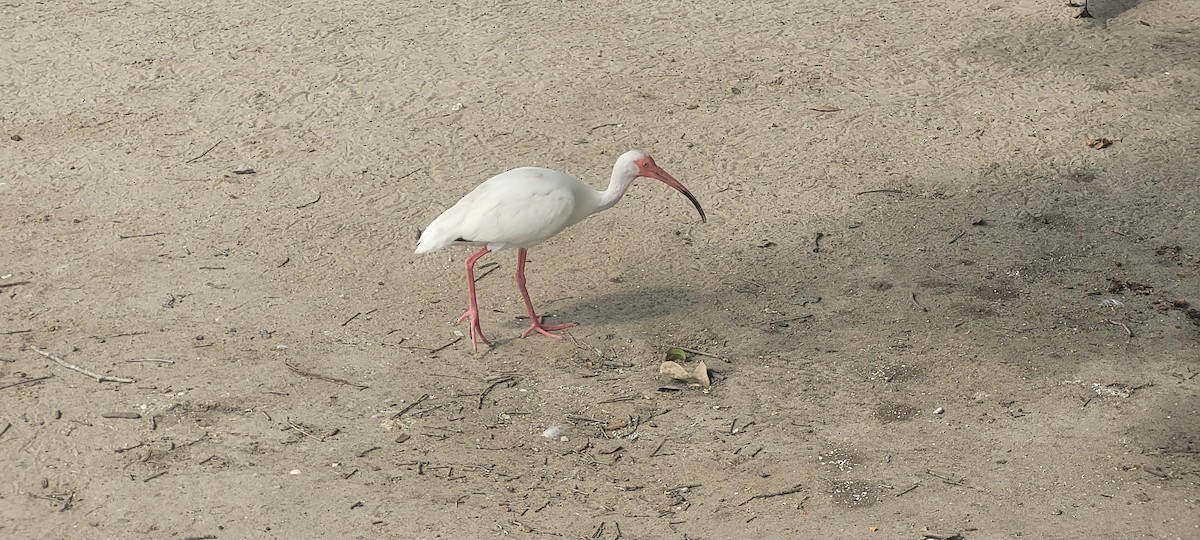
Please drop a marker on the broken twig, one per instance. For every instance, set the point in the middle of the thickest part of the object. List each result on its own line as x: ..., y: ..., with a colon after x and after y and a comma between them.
x: 483, y: 395
x: 1127, y: 330
x: 312, y: 375
x: 26, y: 381
x: 205, y: 153
x: 307, y: 204
x: 878, y: 191
x: 85, y: 371
x: 794, y: 489
x: 443, y: 347
x: 139, y: 235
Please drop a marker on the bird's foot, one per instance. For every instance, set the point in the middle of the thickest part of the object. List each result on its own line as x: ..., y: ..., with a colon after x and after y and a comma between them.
x: 546, y: 329
x: 473, y: 329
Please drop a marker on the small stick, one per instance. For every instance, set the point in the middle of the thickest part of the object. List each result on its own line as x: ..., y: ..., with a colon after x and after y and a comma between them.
x: 801, y: 318
x: 617, y: 399
x: 960, y: 235
x: 85, y: 371
x: 617, y: 526
x: 410, y: 173
x: 658, y: 448
x: 817, y: 242
x: 368, y: 451
x: 139, y: 235
x: 26, y: 381
x: 1127, y: 330
x: 485, y: 392
x: 301, y: 430
x: 610, y: 124
x: 916, y: 303
x: 442, y: 348
x: 11, y: 332
x: 153, y: 476
x: 914, y: 486
x: 410, y: 406
x: 314, y: 201
x: 311, y: 375
x: 578, y: 418
x: 127, y: 334
x: 159, y: 360
x: 794, y: 489
x: 878, y: 191
x: 127, y: 415
x: 355, y: 316
x: 13, y: 284
x: 701, y: 353
x: 5, y: 428
x: 205, y: 153
x: 599, y: 531
x: 945, y: 479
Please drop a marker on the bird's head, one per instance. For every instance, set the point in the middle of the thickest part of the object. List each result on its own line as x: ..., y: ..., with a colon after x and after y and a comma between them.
x: 637, y: 163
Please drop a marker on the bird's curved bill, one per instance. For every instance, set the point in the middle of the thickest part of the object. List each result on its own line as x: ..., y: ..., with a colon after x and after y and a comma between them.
x: 657, y: 173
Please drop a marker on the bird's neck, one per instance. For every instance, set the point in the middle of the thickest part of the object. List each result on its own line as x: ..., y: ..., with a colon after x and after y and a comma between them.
x: 617, y: 186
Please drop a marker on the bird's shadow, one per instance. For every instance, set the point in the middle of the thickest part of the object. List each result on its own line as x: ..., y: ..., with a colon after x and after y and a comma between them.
x: 630, y: 304
x: 1102, y: 11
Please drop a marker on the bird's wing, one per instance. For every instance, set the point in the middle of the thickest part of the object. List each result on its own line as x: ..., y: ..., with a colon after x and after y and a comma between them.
x: 521, y: 207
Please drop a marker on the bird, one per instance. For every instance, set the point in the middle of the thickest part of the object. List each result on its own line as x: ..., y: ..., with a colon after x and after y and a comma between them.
x: 524, y: 207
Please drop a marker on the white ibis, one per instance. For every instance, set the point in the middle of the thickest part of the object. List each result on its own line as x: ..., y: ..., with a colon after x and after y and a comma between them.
x: 524, y: 207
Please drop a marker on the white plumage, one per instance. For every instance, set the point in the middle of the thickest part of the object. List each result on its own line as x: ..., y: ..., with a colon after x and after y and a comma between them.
x: 524, y: 207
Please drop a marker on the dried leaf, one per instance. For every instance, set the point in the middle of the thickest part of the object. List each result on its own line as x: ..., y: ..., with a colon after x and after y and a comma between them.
x: 674, y: 371
x: 701, y: 375
x: 675, y: 354
x: 1099, y: 144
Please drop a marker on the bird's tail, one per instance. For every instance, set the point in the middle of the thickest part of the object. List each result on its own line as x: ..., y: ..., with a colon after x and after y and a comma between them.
x: 428, y: 240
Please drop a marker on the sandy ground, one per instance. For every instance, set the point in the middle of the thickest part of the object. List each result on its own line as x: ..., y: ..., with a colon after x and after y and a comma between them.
x: 998, y: 336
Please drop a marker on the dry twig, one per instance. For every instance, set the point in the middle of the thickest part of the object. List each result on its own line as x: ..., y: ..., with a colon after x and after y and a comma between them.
x: 311, y: 375
x: 26, y: 381
x: 205, y: 153
x: 85, y: 371
x: 483, y: 395
x: 794, y: 489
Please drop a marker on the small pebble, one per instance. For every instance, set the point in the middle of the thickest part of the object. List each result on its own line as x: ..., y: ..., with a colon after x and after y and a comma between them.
x: 294, y: 471
x: 15, y: 137
x: 939, y: 410
x: 243, y: 169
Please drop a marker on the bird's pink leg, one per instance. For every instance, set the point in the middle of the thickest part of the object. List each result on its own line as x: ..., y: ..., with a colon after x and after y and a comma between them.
x: 535, y: 321
x: 472, y: 306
